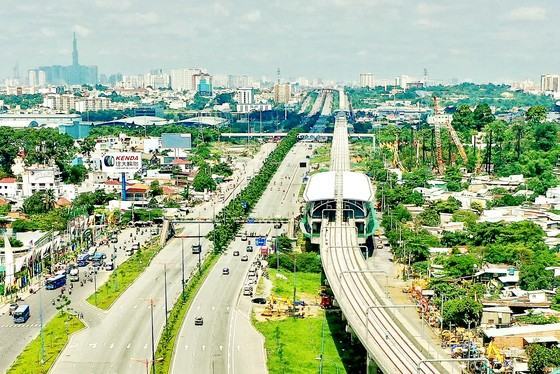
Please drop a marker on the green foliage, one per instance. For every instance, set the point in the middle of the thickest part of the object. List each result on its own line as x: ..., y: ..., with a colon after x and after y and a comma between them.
x: 155, y: 189
x: 284, y: 243
x: 417, y: 177
x: 429, y: 217
x: 463, y: 119
x: 541, y: 358
x: 534, y: 276
x: 460, y: 265
x: 453, y: 178
x: 467, y: 216
x: 482, y: 116
x: 401, y: 214
x: 88, y: 200
x: 537, y: 319
x: 307, y: 262
x: 25, y: 101
x: 222, y: 169
x: 507, y: 200
x: 461, y: 311
x: 453, y: 239
x: 39, y: 202
x: 536, y: 114
x: 546, y: 136
x: 77, y: 174
x: 239, y: 207
x: 203, y: 181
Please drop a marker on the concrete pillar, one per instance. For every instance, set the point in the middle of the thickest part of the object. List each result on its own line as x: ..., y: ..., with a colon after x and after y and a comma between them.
x: 371, y: 366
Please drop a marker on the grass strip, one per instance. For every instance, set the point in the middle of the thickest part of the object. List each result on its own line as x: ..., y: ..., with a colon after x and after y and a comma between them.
x: 301, y: 340
x: 56, y: 334
x: 166, y: 344
x: 124, y: 275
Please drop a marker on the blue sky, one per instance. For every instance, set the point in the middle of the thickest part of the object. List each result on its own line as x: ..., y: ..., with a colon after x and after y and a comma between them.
x: 479, y: 40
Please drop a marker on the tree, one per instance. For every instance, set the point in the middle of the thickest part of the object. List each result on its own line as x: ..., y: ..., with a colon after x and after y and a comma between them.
x: 155, y: 189
x: 460, y: 265
x: 477, y: 207
x: 541, y: 358
x: 463, y: 119
x: 534, y: 276
x: 203, y: 181
x: 39, y: 202
x: 546, y: 136
x: 222, y: 169
x: 466, y: 216
x: 429, y: 217
x: 536, y: 114
x: 462, y: 312
x: 453, y: 178
x: 482, y: 116
x: 77, y: 174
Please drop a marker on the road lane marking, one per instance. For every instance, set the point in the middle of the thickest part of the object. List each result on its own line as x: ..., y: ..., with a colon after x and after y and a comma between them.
x: 111, y: 346
x: 203, y: 347
x: 146, y: 346
x: 186, y: 347
x: 92, y: 345
x: 128, y: 346
x: 221, y: 348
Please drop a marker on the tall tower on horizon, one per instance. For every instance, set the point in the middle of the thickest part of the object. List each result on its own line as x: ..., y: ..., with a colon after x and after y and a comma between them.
x: 75, y: 51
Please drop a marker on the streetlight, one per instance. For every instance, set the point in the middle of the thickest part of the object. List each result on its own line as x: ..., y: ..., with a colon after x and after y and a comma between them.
x: 183, y: 268
x: 153, y: 344
x: 165, y: 291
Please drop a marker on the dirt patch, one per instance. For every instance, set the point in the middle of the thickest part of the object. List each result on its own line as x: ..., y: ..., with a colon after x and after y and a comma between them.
x: 279, y: 309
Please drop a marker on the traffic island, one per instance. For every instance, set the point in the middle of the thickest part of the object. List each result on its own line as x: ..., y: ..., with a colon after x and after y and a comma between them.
x: 39, y: 355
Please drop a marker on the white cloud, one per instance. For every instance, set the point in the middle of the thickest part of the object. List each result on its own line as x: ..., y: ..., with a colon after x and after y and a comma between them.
x: 82, y: 30
x: 361, y: 53
x: 113, y: 5
x: 426, y: 23
x: 426, y: 8
x: 527, y: 14
x: 253, y: 16
x: 48, y: 32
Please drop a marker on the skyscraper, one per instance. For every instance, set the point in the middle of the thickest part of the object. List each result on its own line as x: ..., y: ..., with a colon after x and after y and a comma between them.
x: 75, y: 51
x: 71, y: 74
x: 367, y: 80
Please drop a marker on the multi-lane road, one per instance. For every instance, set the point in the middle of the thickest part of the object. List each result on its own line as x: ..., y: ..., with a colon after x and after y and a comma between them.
x: 119, y: 341
x: 227, y: 342
x: 16, y: 337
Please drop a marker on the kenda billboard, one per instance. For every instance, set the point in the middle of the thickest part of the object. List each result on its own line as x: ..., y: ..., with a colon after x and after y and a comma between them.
x: 122, y: 162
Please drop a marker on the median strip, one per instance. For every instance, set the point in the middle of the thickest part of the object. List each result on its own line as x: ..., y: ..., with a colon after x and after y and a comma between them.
x: 56, y: 334
x: 228, y: 224
x: 124, y: 275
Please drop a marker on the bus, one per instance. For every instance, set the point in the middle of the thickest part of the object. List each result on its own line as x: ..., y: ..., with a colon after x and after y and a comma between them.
x: 82, y: 260
x: 55, y: 282
x: 21, y: 314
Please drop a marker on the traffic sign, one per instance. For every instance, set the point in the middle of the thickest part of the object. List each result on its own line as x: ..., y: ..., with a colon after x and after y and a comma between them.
x: 250, y: 220
x: 260, y: 241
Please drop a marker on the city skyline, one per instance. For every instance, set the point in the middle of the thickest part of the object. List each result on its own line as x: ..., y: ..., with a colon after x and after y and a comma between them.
x: 333, y: 40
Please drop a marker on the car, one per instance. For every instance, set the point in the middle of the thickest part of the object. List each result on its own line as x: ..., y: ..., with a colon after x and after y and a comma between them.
x: 248, y: 291
x: 109, y: 266
x: 114, y: 239
x: 379, y: 245
x: 243, y: 238
x: 135, y: 246
x: 249, y: 248
x: 236, y: 253
x: 278, y: 225
x: 244, y: 258
x: 198, y: 321
x: 225, y: 271
x: 259, y: 300
x: 13, y: 307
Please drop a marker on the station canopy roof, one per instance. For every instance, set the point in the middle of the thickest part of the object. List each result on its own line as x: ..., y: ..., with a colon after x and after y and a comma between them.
x: 321, y: 186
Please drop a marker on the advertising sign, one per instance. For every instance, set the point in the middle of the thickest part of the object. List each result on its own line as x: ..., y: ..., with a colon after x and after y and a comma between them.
x: 122, y: 162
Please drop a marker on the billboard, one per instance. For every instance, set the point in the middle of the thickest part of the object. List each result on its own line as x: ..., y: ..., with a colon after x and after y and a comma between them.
x: 176, y: 141
x: 121, y: 162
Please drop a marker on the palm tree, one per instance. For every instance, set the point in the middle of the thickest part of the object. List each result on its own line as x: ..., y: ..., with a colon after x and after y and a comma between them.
x: 48, y: 200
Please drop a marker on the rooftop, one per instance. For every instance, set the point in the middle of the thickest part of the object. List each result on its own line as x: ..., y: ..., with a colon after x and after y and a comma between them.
x: 356, y: 186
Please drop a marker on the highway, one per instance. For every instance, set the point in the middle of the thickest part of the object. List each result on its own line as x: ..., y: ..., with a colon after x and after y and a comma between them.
x: 16, y: 336
x: 356, y: 290
x: 119, y: 341
x: 227, y: 342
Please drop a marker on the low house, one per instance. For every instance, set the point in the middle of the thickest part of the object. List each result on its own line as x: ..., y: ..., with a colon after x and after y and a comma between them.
x: 520, y: 336
x: 498, y: 316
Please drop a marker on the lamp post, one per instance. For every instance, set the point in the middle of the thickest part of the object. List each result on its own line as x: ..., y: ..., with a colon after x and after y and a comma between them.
x: 153, y: 344
x: 183, y: 268
x: 165, y: 291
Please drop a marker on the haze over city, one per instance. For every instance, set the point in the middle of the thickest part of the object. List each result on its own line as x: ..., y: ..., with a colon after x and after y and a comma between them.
x: 332, y: 39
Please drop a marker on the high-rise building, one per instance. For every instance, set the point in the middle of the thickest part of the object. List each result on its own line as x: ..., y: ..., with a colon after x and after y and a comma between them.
x: 72, y: 74
x: 184, y: 79
x: 32, y: 78
x: 245, y: 96
x: 367, y: 80
x: 550, y: 83
x: 282, y: 92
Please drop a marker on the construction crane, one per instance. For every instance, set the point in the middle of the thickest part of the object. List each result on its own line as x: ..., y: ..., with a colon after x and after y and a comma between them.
x: 454, y: 137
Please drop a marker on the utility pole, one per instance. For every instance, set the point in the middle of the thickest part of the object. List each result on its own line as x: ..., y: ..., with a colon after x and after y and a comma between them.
x: 165, y: 291
x: 153, y: 346
x: 199, y: 249
x: 183, y: 268
x: 42, y: 352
